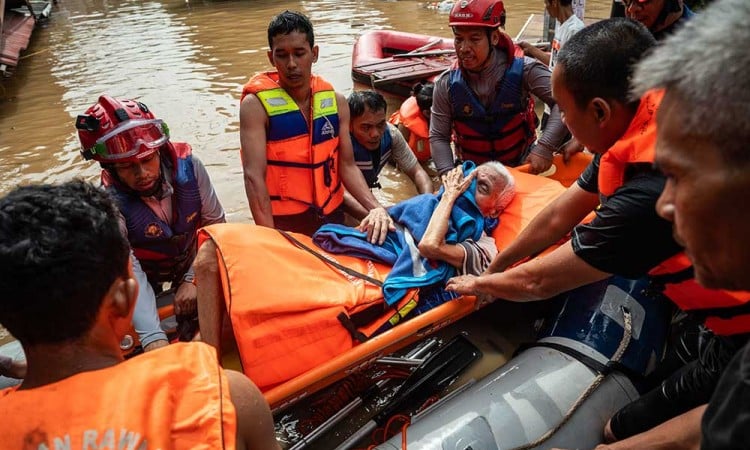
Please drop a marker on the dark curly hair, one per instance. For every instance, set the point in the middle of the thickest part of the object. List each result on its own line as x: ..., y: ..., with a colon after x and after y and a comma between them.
x: 61, y: 249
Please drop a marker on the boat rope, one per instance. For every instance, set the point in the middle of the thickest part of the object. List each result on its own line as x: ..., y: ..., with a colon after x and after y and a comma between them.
x: 624, y: 342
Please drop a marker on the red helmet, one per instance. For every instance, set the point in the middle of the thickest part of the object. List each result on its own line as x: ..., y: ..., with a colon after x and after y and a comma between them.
x: 120, y: 130
x: 477, y: 13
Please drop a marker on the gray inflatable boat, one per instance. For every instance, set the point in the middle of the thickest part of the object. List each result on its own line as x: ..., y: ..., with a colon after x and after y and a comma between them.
x: 561, y: 390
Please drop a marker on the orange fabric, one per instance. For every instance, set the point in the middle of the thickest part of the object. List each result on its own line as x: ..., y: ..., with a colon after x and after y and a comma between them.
x: 293, y: 190
x: 284, y: 314
x: 690, y: 296
x: 562, y: 172
x: 176, y: 397
x: 638, y: 146
x: 283, y: 301
x: 412, y: 118
x: 635, y: 146
x: 533, y: 194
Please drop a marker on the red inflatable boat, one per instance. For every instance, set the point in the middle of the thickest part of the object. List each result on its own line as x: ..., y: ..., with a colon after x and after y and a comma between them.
x: 393, y: 61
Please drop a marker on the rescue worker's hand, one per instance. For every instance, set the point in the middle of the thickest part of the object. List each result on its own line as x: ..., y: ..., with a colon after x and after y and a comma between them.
x: 570, y: 148
x: 186, y: 299
x: 462, y: 284
x: 538, y: 163
x: 377, y: 224
x: 455, y: 184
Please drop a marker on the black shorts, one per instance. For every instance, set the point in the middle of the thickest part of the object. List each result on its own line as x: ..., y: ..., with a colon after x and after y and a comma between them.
x: 308, y: 222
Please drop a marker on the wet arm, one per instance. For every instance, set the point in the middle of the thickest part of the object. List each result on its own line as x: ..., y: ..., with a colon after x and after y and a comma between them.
x: 353, y: 207
x: 254, y: 420
x: 253, y: 124
x: 538, y: 279
x: 548, y: 227
x: 441, y: 125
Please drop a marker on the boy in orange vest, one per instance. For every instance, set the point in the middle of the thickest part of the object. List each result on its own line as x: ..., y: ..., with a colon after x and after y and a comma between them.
x: 68, y: 296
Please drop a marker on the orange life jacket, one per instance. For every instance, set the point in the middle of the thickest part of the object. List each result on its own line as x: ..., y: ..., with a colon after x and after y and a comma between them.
x: 412, y: 118
x: 303, y: 160
x: 174, y: 398
x: 635, y: 146
x: 296, y: 311
x: 724, y: 312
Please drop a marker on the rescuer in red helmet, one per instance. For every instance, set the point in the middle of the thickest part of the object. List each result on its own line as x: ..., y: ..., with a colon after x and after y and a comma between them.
x: 485, y: 100
x: 164, y: 195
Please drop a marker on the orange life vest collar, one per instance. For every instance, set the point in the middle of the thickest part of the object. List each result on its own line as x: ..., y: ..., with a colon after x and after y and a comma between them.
x: 635, y: 146
x: 723, y: 312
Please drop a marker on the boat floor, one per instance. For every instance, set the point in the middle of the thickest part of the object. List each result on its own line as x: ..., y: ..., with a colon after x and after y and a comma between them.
x: 497, y: 331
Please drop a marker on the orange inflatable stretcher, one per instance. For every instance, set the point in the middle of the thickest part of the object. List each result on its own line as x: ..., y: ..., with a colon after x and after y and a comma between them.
x: 273, y: 289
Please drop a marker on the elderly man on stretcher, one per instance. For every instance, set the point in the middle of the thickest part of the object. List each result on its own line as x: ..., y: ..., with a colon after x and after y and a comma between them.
x: 293, y: 305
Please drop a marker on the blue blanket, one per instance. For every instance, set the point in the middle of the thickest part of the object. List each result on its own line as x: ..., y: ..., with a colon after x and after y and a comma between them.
x: 412, y: 216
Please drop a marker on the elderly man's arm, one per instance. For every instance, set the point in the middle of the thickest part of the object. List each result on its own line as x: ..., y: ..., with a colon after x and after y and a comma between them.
x: 538, y: 279
x: 433, y: 245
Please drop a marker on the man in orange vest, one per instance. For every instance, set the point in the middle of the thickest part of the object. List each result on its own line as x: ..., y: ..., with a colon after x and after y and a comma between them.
x: 68, y: 297
x: 702, y: 149
x: 297, y: 155
x: 626, y: 237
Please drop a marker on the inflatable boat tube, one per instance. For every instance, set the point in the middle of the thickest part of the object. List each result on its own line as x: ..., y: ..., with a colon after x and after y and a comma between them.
x: 530, y: 402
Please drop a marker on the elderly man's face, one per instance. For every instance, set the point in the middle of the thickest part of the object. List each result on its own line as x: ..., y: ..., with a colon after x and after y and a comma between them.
x: 706, y: 199
x: 489, y: 189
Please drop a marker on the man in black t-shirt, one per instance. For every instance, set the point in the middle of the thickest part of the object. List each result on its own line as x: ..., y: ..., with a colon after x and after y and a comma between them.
x: 626, y: 237
x: 702, y: 149
x: 590, y: 84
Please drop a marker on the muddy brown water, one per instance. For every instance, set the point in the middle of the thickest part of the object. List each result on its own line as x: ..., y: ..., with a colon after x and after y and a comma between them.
x: 188, y: 62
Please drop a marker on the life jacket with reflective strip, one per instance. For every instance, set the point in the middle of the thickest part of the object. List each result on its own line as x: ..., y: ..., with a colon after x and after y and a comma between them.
x: 724, y: 312
x: 369, y: 162
x: 303, y: 161
x: 505, y: 130
x: 176, y: 397
x: 165, y: 251
x: 412, y: 118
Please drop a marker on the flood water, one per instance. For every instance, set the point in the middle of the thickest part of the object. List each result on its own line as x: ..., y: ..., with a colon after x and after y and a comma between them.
x: 187, y: 61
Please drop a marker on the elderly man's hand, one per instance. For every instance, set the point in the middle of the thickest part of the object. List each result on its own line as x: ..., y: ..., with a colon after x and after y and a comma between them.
x: 538, y: 163
x: 377, y: 224
x: 462, y: 284
x: 455, y: 184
